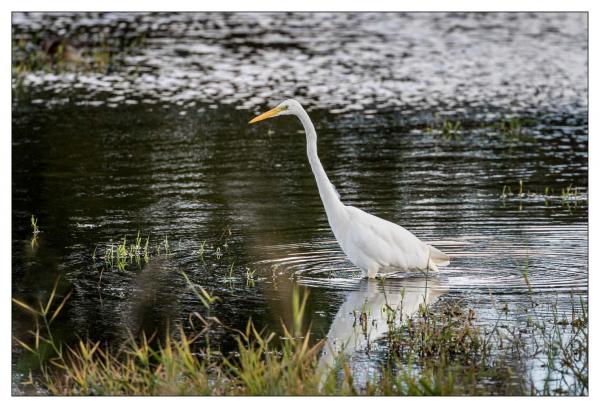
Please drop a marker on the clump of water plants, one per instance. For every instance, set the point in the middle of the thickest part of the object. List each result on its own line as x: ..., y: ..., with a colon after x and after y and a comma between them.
x: 126, y: 257
x: 250, y: 274
x: 507, y: 191
x: 512, y: 130
x: 448, y: 129
x: 568, y: 195
x: 122, y: 254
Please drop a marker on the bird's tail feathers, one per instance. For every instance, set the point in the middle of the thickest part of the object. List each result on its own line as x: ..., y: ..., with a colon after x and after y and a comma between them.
x: 438, y: 257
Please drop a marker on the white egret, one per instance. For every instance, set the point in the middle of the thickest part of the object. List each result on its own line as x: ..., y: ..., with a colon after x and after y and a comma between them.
x: 373, y: 244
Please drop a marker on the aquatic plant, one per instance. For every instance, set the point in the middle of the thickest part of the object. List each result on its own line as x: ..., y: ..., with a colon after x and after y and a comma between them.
x: 510, y: 128
x: 448, y: 129
x: 513, y: 130
x: 230, y: 271
x: 34, y: 231
x: 122, y: 254
x: 439, y: 351
x: 568, y: 196
x: 201, y: 293
x: 201, y: 249
x: 34, y: 225
x: 250, y: 276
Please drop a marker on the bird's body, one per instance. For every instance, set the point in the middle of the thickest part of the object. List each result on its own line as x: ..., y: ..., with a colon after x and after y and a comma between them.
x: 376, y: 245
x: 371, y: 243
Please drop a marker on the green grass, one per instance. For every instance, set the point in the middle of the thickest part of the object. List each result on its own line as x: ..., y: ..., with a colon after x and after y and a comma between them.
x: 448, y: 129
x: 201, y: 250
x: 250, y: 273
x: 441, y: 350
x: 124, y: 254
x: 34, y: 225
x: 35, y: 231
x: 131, y: 255
x: 568, y: 195
x: 510, y: 129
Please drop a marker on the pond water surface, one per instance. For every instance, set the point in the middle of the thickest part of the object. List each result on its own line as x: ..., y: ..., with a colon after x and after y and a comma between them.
x: 160, y: 145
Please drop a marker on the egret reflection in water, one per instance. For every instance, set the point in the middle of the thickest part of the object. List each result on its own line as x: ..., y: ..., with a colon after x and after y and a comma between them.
x: 366, y: 313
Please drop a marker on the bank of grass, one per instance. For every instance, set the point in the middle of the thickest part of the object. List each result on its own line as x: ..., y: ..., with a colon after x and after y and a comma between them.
x: 441, y: 350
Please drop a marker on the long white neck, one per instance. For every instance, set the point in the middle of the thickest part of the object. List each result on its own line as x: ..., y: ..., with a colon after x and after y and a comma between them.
x: 327, y: 192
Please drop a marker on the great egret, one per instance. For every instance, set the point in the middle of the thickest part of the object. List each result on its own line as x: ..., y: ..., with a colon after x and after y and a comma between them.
x: 372, y: 244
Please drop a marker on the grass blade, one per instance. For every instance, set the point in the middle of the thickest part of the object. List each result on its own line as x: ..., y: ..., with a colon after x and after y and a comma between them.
x: 25, y: 306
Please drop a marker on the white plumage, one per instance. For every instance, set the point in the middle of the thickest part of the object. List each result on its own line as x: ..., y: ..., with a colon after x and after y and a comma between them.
x: 373, y: 244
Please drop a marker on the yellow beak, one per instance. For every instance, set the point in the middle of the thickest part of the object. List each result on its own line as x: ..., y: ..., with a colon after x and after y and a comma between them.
x: 266, y: 115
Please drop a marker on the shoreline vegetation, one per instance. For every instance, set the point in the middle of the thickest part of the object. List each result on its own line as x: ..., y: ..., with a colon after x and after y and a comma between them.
x: 440, y: 350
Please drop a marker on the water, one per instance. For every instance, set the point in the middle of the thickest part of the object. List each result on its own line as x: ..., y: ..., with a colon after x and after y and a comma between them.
x: 160, y: 144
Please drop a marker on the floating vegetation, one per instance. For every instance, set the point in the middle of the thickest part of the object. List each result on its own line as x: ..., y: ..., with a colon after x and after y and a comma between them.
x: 441, y: 350
x: 449, y: 130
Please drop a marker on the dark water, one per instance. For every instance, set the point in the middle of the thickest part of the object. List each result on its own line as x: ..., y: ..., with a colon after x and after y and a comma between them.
x: 160, y: 145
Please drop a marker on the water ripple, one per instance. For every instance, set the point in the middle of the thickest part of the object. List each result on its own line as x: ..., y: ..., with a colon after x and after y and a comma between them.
x: 339, y: 61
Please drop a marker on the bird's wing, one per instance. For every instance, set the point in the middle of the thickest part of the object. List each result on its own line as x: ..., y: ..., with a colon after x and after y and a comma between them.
x: 384, y: 242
